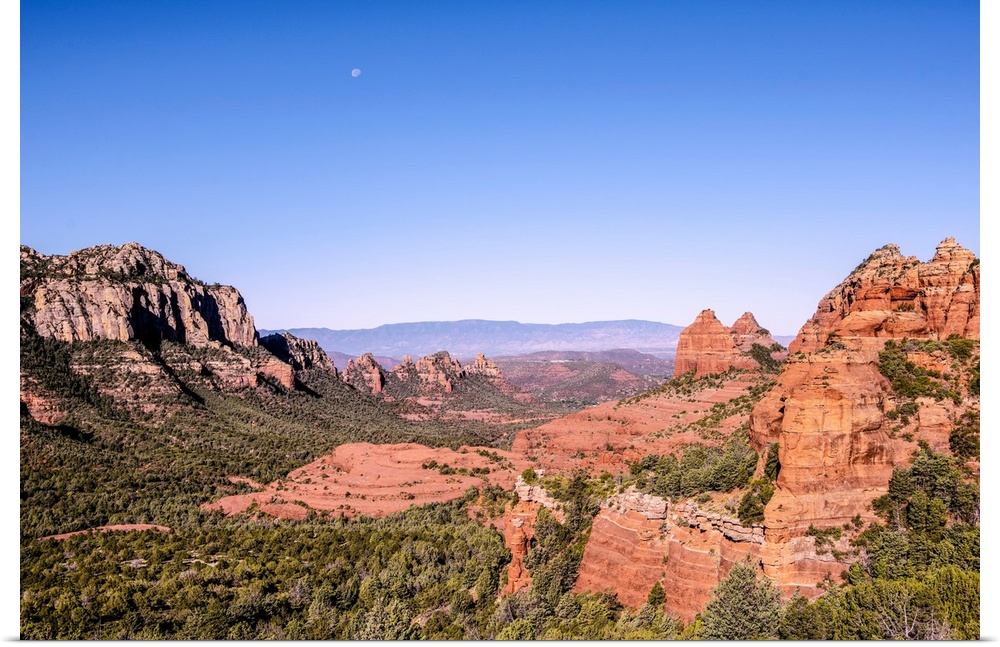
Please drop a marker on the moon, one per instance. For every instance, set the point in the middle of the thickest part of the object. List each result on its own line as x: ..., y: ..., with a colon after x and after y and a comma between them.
x: 355, y: 72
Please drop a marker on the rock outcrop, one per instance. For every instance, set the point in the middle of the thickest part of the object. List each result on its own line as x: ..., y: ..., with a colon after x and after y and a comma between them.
x: 129, y: 293
x: 638, y: 539
x: 836, y: 445
x: 485, y: 367
x: 406, y: 369
x: 40, y: 404
x: 518, y: 529
x: 518, y: 524
x: 893, y: 296
x: 707, y: 346
x: 365, y: 374
x: 439, y: 370
x: 300, y: 354
x: 270, y: 366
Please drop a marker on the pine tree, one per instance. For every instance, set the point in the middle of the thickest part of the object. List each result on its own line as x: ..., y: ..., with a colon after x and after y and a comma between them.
x: 742, y: 607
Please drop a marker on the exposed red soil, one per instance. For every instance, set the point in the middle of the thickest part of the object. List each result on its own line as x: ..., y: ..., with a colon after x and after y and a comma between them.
x: 611, y: 435
x: 362, y: 478
x: 123, y: 527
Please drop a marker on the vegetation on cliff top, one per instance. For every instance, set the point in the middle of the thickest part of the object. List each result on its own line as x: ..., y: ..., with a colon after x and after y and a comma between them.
x: 701, y: 468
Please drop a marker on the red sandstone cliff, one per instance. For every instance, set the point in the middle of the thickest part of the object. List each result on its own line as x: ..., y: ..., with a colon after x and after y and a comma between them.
x: 638, y: 539
x: 837, y: 448
x: 827, y: 413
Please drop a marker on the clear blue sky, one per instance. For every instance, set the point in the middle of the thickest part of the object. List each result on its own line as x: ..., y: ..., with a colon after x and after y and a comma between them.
x: 537, y: 161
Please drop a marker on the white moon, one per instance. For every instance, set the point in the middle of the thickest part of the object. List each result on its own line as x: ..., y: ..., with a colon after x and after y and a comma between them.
x: 355, y: 72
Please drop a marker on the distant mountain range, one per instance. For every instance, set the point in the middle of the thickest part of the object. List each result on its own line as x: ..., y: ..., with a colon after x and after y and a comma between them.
x: 468, y: 337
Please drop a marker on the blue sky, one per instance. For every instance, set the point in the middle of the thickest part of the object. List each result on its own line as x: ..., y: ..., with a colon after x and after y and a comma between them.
x: 538, y: 161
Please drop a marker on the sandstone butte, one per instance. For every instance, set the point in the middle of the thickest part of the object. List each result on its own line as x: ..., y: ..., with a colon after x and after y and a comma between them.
x: 707, y: 346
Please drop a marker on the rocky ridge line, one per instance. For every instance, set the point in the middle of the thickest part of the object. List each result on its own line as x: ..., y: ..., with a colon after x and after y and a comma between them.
x: 129, y: 293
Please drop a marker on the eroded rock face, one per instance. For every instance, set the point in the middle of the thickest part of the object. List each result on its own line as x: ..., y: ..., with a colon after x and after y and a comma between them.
x: 707, y: 346
x: 638, y: 539
x: 40, y: 404
x: 535, y: 493
x: 406, y: 369
x: 836, y: 447
x: 485, y: 367
x: 129, y: 293
x: 300, y: 354
x: 892, y: 296
x: 439, y: 369
x: 272, y: 367
x: 518, y: 531
x: 365, y: 374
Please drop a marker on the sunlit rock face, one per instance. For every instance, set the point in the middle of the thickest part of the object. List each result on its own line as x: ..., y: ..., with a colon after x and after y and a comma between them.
x: 837, y: 448
x: 129, y: 293
x: 707, y: 346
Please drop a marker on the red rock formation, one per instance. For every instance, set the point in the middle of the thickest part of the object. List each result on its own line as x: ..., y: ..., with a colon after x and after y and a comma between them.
x: 365, y: 374
x: 892, y: 296
x: 439, y: 370
x: 518, y: 531
x: 636, y: 541
x: 488, y: 370
x: 274, y: 368
x: 485, y: 367
x: 301, y: 354
x: 836, y: 446
x: 706, y: 346
x: 41, y: 405
x: 405, y: 370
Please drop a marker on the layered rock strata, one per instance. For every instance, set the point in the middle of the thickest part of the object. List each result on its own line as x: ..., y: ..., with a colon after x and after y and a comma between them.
x: 893, y: 296
x: 707, y: 346
x: 129, y: 293
x: 836, y: 446
x: 638, y: 539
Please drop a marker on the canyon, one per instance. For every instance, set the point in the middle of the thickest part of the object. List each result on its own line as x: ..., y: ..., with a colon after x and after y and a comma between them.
x: 154, y: 340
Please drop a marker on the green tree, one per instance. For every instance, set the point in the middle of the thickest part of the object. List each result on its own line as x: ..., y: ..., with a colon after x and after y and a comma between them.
x: 657, y: 597
x: 742, y: 607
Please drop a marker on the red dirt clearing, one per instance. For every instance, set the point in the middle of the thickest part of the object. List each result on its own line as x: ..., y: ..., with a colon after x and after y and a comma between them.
x: 362, y: 478
x: 123, y: 527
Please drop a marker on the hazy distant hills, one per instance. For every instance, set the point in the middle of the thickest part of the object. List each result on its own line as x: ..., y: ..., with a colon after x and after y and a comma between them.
x: 468, y: 337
